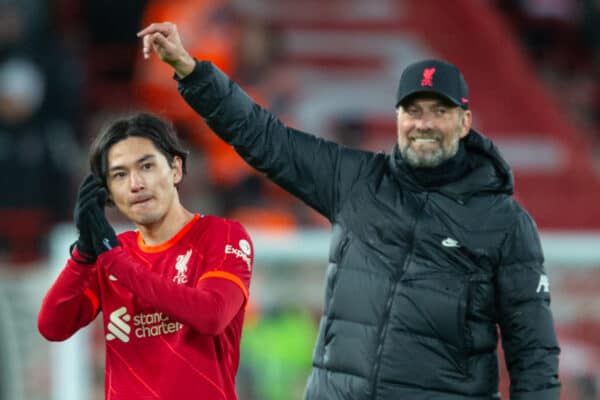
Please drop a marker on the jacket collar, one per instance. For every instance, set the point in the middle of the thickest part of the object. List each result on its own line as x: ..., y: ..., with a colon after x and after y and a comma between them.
x: 486, y: 171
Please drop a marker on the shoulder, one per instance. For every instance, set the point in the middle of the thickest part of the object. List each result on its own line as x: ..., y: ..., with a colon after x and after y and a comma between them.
x: 373, y: 160
x: 517, y: 215
x: 220, y: 228
x: 358, y: 165
x: 214, y: 221
x: 522, y: 241
x: 228, y: 238
x: 500, y: 206
x: 504, y: 211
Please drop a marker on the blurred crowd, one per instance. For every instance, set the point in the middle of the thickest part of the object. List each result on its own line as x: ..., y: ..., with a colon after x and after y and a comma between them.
x: 562, y: 40
x: 67, y: 65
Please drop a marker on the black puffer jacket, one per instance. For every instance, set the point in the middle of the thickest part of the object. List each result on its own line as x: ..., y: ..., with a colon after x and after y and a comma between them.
x: 418, y: 279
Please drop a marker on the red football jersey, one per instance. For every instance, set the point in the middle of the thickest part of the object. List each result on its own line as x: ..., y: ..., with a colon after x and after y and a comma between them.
x: 173, y: 313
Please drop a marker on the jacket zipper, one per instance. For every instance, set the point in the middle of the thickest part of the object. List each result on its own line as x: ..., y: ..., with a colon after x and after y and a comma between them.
x: 388, y: 306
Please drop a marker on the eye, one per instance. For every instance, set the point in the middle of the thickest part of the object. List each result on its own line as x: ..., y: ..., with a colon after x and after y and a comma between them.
x: 441, y: 111
x: 118, y: 175
x: 147, y: 166
x: 412, y: 111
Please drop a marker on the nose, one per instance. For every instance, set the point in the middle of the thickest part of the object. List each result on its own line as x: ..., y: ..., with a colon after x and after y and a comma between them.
x: 136, y: 183
x: 424, y: 123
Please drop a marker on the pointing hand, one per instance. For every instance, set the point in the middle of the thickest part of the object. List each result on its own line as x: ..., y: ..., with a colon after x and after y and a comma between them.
x: 164, y: 40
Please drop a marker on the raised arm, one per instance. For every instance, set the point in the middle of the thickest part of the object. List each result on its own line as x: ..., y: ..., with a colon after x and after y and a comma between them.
x: 317, y: 171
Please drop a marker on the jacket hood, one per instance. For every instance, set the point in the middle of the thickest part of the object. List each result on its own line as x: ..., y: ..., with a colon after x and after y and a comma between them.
x: 487, y: 172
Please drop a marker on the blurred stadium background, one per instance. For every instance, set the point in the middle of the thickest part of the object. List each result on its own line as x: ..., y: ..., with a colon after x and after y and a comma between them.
x: 326, y: 66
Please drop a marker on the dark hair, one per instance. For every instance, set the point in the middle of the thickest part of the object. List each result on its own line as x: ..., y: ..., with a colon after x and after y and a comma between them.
x: 143, y: 124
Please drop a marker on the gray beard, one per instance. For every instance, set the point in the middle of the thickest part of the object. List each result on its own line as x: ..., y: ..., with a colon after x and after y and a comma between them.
x: 430, y: 160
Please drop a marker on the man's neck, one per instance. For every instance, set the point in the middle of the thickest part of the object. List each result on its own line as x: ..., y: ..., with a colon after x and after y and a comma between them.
x: 449, y: 171
x: 163, y: 230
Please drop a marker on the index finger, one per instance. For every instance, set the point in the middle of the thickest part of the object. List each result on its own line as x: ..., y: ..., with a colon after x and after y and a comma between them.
x: 157, y: 27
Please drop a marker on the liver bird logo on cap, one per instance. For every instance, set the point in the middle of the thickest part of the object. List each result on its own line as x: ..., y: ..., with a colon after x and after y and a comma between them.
x: 428, y: 77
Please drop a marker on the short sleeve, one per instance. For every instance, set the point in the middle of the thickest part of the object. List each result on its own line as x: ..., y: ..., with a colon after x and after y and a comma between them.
x: 230, y: 255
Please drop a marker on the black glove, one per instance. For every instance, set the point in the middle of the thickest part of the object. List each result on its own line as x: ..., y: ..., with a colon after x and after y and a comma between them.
x: 102, y: 233
x: 89, y: 192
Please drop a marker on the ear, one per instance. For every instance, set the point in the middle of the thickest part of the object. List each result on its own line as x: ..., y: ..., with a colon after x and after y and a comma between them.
x: 466, y: 122
x: 177, y: 169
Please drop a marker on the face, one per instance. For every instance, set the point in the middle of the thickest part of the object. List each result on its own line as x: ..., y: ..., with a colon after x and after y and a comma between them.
x: 141, y: 182
x: 429, y: 130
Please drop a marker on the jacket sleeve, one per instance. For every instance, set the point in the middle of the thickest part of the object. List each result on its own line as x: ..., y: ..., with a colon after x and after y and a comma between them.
x: 317, y: 171
x: 527, y: 327
x: 72, y: 302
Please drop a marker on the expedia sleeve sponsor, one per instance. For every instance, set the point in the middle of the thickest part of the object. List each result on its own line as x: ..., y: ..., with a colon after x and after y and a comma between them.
x: 244, y: 254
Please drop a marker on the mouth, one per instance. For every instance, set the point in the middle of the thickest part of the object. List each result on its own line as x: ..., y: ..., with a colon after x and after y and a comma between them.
x: 424, y: 140
x: 140, y: 201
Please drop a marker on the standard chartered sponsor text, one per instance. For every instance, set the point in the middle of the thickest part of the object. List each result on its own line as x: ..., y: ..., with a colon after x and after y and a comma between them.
x: 154, y: 324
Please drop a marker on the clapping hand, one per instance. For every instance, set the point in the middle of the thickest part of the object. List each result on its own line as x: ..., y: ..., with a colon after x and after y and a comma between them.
x: 95, y: 233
